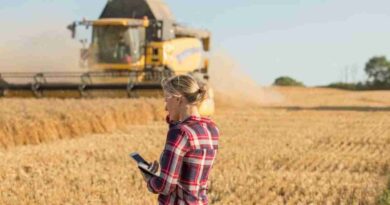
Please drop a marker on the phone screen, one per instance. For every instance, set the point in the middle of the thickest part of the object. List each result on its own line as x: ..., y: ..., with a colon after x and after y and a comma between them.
x: 138, y: 158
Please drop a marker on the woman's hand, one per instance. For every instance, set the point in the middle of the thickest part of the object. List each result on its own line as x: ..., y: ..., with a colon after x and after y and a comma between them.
x: 153, y: 168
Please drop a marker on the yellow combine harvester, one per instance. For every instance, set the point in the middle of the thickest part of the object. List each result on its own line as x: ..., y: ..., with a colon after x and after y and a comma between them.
x: 134, y: 44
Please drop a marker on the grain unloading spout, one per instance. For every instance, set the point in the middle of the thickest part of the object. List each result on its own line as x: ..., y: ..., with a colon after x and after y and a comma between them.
x: 161, y: 18
x: 137, y: 9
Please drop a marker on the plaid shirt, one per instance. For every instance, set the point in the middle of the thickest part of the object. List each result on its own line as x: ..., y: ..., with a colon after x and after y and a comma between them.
x: 186, y: 162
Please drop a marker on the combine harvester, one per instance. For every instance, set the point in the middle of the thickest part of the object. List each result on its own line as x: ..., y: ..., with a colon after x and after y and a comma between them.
x: 134, y: 45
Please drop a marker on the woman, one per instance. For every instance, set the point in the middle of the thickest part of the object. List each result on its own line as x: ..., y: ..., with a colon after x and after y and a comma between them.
x: 190, y: 148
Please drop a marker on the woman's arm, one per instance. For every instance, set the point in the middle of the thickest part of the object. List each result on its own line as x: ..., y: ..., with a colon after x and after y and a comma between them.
x: 171, y: 161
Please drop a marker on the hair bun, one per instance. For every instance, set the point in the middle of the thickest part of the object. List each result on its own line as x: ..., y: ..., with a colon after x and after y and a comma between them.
x: 201, y: 94
x: 186, y: 85
x: 201, y: 90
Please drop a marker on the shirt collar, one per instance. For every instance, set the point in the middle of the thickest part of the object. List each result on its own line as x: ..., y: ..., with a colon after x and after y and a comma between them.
x: 195, y: 118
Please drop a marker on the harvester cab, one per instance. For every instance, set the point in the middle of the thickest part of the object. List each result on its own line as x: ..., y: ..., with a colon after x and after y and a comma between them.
x: 116, y: 44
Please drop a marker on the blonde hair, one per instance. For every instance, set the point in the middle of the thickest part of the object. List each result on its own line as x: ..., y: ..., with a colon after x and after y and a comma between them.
x: 187, y: 86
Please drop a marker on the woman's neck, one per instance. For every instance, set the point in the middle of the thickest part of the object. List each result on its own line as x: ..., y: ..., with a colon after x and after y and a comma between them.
x: 189, y: 110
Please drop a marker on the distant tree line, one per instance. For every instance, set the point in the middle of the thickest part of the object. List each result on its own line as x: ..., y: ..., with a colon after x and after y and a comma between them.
x: 378, y: 72
x: 287, y: 81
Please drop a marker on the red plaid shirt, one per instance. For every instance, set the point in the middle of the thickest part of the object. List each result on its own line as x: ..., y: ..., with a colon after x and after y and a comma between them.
x: 186, y: 162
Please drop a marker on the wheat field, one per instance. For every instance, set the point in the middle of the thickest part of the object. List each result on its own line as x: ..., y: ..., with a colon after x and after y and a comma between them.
x: 317, y: 146
x: 33, y: 121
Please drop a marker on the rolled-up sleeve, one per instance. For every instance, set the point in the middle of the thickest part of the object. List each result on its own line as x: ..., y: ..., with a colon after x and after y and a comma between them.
x: 171, y: 162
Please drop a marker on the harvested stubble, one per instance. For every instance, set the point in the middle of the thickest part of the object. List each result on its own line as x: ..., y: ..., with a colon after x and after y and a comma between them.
x: 33, y: 121
x: 268, y: 155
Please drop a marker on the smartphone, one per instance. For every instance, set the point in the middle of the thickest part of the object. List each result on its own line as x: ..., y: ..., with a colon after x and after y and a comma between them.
x: 139, y: 159
x: 143, y: 165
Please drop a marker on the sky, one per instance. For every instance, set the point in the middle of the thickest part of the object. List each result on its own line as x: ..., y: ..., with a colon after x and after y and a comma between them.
x: 314, y: 41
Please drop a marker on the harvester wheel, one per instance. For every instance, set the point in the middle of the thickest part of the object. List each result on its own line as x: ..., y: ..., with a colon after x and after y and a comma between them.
x: 36, y: 91
x: 130, y: 93
x: 3, y: 84
x: 166, y: 73
x: 81, y: 90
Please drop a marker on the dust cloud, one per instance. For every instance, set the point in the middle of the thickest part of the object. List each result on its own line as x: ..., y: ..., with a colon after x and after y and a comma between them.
x: 39, y: 49
x: 233, y: 87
